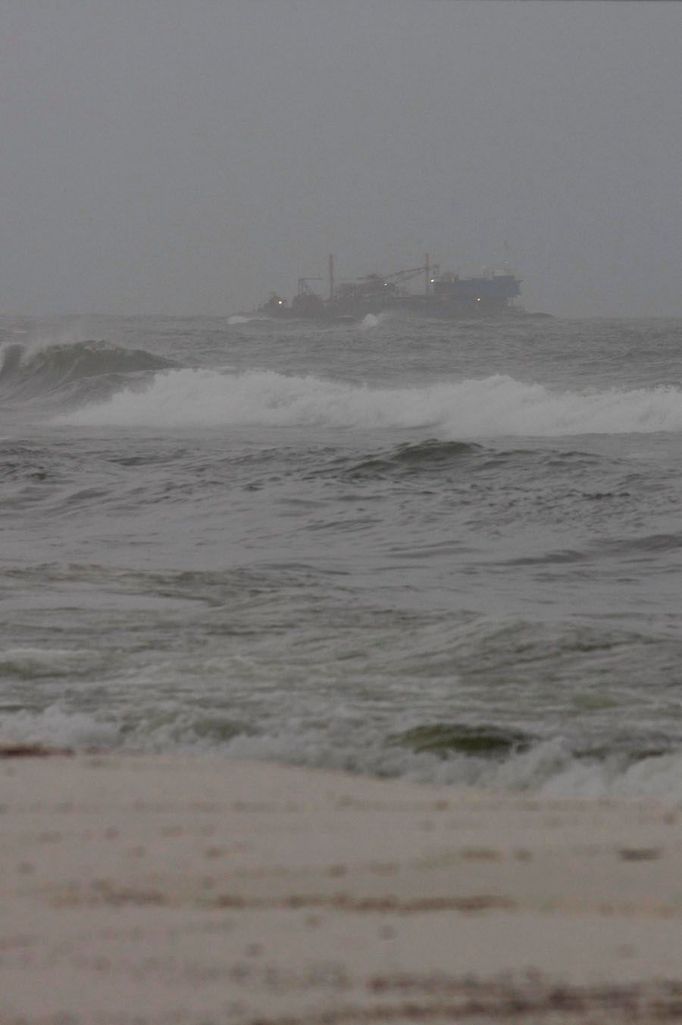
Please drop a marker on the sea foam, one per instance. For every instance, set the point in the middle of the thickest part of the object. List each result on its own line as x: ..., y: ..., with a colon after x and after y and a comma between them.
x: 475, y: 407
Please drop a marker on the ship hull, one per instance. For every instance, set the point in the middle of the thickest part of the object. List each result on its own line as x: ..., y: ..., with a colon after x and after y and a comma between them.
x: 416, y: 307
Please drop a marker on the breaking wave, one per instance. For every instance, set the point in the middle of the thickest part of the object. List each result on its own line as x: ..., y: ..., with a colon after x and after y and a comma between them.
x: 549, y: 767
x: 27, y: 371
x: 445, y: 756
x: 55, y: 727
x: 371, y: 320
x: 490, y: 406
x: 245, y: 318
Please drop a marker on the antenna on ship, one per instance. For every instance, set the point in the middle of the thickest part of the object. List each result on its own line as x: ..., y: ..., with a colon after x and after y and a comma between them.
x: 331, y: 277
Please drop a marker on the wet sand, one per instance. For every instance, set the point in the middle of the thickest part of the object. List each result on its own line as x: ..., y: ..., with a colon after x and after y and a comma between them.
x: 178, y: 891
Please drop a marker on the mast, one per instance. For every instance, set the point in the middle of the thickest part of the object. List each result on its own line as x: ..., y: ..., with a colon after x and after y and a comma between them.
x: 427, y: 269
x: 331, y: 277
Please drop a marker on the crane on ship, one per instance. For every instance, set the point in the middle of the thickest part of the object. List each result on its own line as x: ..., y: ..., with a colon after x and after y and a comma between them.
x: 428, y: 269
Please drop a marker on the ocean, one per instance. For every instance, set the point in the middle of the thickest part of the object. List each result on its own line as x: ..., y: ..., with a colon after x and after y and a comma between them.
x: 444, y: 551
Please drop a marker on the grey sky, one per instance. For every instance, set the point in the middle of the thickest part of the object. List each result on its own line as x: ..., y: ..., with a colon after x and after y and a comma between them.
x: 187, y: 157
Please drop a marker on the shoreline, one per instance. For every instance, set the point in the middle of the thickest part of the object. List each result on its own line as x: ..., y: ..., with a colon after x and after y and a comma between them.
x: 188, y: 890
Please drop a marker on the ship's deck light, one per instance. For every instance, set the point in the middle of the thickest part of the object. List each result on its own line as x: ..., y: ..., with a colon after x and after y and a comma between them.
x: 478, y: 298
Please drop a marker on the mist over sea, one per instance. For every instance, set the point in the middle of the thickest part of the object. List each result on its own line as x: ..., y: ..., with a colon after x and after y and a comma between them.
x: 448, y: 551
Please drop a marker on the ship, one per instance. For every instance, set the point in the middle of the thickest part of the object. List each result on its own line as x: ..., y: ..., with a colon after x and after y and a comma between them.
x: 447, y: 295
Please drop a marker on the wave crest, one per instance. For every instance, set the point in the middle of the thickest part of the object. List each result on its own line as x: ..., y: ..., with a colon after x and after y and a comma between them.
x: 26, y: 371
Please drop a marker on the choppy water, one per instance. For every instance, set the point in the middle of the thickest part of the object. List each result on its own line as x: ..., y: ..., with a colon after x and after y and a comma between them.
x: 449, y: 551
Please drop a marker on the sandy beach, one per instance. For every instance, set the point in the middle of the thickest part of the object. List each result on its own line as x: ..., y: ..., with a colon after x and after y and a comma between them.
x: 172, y: 890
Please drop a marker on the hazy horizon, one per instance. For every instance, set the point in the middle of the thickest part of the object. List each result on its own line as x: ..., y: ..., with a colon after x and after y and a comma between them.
x: 181, y: 159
